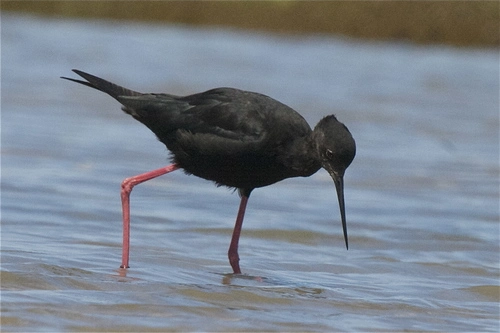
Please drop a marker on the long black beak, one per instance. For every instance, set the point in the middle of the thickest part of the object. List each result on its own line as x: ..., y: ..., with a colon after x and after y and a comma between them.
x: 339, y: 185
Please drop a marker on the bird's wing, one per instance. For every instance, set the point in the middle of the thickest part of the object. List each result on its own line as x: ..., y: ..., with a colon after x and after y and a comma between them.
x: 220, y: 121
x: 223, y: 125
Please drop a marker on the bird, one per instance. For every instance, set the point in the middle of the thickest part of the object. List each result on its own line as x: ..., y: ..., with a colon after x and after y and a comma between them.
x: 239, y: 139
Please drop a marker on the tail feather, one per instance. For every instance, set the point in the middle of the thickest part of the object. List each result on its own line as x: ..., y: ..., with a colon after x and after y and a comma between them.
x: 109, y: 88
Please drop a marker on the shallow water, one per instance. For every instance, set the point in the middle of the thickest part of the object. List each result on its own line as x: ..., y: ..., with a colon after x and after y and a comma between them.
x: 421, y: 195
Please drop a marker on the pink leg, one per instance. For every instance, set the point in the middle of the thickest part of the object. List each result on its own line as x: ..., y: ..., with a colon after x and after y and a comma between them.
x: 234, y: 259
x: 127, y: 186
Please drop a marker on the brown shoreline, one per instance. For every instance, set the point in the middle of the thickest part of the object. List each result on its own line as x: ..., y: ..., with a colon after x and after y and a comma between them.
x: 460, y: 23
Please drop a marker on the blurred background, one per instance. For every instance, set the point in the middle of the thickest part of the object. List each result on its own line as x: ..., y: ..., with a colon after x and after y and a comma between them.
x: 416, y: 83
x: 465, y: 23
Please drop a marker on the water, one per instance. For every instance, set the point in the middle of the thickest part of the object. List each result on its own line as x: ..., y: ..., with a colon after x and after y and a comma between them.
x: 421, y: 195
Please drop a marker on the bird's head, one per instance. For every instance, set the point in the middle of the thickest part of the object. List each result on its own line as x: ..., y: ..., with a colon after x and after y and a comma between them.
x: 336, y: 150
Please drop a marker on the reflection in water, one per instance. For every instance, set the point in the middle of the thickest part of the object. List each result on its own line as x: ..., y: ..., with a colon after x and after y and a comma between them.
x: 234, y: 279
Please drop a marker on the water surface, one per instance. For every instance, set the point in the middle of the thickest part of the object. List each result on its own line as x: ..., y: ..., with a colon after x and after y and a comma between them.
x: 421, y: 195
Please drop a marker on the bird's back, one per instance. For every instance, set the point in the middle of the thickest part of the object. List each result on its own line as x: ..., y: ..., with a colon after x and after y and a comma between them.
x: 233, y: 137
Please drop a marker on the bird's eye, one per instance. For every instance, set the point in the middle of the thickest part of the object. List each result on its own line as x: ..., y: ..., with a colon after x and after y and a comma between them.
x: 329, y: 154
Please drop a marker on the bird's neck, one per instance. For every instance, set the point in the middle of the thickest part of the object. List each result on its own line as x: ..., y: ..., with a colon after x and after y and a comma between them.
x: 302, y: 156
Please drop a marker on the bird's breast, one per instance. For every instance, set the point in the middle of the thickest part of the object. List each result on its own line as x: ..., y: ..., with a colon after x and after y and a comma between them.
x: 245, y: 171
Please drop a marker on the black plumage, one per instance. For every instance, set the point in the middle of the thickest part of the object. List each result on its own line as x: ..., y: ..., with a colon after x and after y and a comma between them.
x: 237, y: 138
